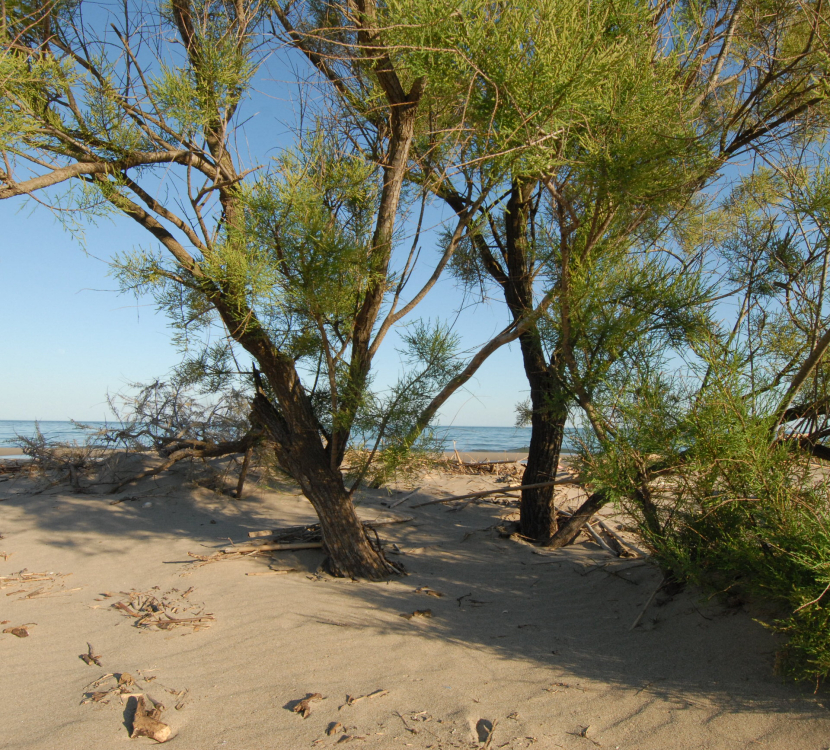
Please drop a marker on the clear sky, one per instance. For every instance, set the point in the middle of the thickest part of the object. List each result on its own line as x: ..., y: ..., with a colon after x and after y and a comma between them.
x: 69, y: 337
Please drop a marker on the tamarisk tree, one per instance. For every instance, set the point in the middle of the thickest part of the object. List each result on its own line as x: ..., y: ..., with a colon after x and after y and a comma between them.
x: 586, y: 232
x: 137, y: 111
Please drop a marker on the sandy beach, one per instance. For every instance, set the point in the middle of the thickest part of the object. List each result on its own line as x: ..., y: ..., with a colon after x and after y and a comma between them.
x: 536, y: 645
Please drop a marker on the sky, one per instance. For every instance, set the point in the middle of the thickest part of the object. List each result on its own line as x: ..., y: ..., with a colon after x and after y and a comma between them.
x: 70, y: 338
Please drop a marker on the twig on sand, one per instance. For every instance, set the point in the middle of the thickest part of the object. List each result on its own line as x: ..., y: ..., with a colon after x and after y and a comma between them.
x: 406, y: 726
x: 274, y: 547
x: 352, y: 699
x: 501, y: 490
x: 647, y: 604
x: 599, y: 540
x: 404, y: 498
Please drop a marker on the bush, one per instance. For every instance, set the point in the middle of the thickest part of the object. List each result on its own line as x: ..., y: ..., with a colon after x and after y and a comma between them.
x: 736, y: 512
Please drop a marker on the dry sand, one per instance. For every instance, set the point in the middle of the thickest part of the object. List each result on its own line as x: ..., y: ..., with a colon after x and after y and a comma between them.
x: 539, y: 645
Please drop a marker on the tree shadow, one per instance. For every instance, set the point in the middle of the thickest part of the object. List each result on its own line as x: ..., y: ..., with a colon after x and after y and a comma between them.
x: 569, y: 613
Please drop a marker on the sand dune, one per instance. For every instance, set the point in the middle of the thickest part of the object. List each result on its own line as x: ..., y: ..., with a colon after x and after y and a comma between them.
x: 537, y: 645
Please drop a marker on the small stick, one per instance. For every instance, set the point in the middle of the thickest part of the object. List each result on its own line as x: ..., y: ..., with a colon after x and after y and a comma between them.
x: 289, y: 529
x: 271, y: 572
x: 178, y: 620
x: 475, y: 464
x: 648, y: 603
x: 623, y: 541
x: 243, y: 472
x: 275, y: 547
x: 501, y: 490
x: 599, y: 540
x: 405, y: 498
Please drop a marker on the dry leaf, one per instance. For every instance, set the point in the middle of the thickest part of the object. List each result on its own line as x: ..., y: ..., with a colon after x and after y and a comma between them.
x: 20, y: 632
x: 304, y: 706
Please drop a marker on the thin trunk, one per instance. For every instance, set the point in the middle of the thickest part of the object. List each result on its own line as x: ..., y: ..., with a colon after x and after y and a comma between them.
x: 537, y: 511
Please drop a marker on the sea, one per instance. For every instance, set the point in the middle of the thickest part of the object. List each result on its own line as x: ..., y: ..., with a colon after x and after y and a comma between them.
x: 464, y: 439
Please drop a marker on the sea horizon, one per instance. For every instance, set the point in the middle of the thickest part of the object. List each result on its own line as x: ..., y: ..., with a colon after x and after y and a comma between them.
x: 460, y: 437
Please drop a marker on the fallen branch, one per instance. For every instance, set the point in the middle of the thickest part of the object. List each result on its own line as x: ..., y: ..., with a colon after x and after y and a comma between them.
x: 275, y: 547
x: 198, y: 449
x: 568, y: 531
x: 404, y: 498
x: 600, y: 541
x: 647, y: 604
x: 479, y: 464
x: 501, y: 490
x: 622, y: 541
x: 315, y: 527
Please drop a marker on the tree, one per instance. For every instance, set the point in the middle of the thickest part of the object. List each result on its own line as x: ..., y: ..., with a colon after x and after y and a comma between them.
x: 723, y: 78
x: 294, y: 266
x: 294, y: 263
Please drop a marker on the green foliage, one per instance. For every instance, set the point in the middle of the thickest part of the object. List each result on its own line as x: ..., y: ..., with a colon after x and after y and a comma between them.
x: 736, y: 514
x: 386, y: 422
x: 515, y: 84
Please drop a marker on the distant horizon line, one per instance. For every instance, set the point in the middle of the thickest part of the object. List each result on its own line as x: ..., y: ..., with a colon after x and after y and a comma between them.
x: 102, y: 421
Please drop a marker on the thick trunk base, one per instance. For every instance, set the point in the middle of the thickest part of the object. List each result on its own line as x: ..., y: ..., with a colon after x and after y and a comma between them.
x: 537, y: 509
x: 301, y: 454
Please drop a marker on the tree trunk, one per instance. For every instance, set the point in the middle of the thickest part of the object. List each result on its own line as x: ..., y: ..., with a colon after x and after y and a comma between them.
x: 350, y: 554
x: 570, y: 529
x: 537, y: 510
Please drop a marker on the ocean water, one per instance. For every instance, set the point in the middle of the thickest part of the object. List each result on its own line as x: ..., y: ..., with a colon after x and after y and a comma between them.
x: 462, y: 438
x: 64, y: 432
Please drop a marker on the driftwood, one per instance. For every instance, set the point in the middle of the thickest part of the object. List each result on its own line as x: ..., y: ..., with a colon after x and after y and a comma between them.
x: 513, y: 488
x: 404, y: 498
x: 275, y: 547
x: 570, y: 530
x: 90, y: 657
x: 622, y: 541
x: 647, y: 604
x: 162, y: 611
x: 600, y: 541
x: 352, y: 699
x: 146, y: 722
x: 314, y: 528
x: 271, y: 572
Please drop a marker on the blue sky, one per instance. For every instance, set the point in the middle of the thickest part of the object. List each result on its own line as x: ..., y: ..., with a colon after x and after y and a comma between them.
x: 69, y: 337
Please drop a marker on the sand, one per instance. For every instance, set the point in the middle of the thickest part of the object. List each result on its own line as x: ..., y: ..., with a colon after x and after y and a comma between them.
x: 538, y: 645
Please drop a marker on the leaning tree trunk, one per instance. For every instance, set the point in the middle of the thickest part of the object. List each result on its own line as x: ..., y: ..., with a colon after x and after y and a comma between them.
x: 350, y: 553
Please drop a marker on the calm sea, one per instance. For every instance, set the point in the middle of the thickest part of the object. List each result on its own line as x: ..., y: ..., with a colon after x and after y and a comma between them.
x: 464, y: 438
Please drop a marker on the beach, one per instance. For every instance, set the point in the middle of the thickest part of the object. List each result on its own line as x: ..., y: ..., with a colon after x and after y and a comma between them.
x: 486, y: 642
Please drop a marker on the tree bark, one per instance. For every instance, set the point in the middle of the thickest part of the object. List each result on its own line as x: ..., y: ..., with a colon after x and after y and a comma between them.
x: 548, y: 403
x: 350, y: 554
x: 537, y: 510
x: 570, y: 529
